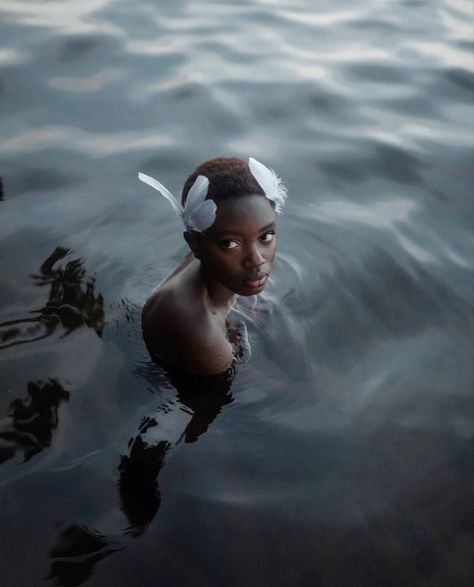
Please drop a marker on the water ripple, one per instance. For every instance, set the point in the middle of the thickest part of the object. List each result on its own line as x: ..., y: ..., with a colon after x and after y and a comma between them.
x: 361, y: 370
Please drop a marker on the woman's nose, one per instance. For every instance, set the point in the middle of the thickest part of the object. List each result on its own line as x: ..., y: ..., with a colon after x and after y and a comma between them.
x: 254, y: 258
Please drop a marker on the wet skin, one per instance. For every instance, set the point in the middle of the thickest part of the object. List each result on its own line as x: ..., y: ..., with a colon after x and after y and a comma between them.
x: 184, y: 322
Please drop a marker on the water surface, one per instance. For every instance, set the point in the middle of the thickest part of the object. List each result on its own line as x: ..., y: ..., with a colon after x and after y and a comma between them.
x: 342, y: 452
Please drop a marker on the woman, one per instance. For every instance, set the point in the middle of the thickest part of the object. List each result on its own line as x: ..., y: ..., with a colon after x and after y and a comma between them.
x: 229, y: 210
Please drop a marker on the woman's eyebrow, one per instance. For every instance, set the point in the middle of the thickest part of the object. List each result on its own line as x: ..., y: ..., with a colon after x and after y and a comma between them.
x: 237, y: 231
x: 268, y: 227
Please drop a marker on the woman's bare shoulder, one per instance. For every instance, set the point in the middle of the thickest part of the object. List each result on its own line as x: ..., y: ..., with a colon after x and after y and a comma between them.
x: 162, y: 301
x: 181, y: 332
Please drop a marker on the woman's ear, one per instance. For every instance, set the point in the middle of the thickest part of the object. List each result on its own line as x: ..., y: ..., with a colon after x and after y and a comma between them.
x: 193, y: 242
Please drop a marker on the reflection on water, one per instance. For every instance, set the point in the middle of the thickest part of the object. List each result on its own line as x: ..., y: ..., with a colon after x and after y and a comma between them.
x: 139, y: 492
x: 75, y: 553
x: 72, y: 302
x: 78, y: 549
x: 33, y: 420
x: 138, y: 483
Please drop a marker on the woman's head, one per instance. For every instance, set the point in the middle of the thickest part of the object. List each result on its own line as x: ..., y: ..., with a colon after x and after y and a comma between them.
x: 229, y: 177
x: 221, y: 179
x: 238, y: 250
x: 229, y: 210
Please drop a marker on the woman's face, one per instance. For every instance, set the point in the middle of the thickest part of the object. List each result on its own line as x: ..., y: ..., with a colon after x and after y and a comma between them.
x: 238, y: 250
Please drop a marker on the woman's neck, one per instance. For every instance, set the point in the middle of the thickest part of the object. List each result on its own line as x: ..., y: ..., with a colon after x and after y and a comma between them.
x: 219, y: 297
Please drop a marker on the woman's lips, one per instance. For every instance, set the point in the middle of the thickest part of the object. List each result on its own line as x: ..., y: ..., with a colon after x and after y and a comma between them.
x: 257, y: 281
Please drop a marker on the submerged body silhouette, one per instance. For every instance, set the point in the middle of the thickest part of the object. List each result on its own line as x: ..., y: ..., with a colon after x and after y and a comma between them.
x: 78, y: 548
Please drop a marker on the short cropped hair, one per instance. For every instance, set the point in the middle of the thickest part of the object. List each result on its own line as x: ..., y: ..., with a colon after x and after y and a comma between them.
x: 229, y: 177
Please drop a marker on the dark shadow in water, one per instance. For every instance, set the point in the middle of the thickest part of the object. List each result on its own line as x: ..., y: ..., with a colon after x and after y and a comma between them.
x: 140, y: 496
x: 72, y: 303
x: 138, y: 482
x: 76, y: 552
x: 2, y: 193
x: 78, y: 549
x: 33, y: 420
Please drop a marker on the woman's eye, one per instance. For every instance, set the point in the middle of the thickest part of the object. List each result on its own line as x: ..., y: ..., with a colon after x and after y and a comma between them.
x: 229, y: 244
x: 268, y: 237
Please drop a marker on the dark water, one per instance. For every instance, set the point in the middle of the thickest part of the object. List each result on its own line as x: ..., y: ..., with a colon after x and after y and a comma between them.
x: 342, y: 453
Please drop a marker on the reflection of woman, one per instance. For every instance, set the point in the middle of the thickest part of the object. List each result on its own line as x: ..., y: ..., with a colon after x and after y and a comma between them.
x: 201, y: 399
x: 78, y: 548
x: 228, y: 208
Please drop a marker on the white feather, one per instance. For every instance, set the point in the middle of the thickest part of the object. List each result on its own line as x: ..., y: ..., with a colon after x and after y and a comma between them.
x: 198, y: 213
x: 163, y: 191
x: 197, y: 192
x: 195, y: 199
x: 270, y: 183
x: 202, y: 216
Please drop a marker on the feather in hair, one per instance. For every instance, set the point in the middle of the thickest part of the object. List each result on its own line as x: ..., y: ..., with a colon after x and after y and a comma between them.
x: 196, y: 215
x: 163, y: 191
x: 197, y: 192
x: 203, y: 216
x: 270, y: 183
